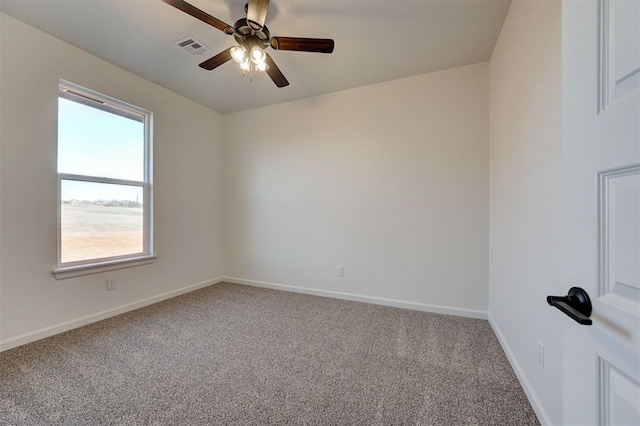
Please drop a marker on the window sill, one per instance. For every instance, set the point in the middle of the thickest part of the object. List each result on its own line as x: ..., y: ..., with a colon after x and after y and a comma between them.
x: 97, y: 267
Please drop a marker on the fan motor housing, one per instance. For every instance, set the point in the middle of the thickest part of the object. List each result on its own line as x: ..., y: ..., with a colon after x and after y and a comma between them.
x: 247, y: 36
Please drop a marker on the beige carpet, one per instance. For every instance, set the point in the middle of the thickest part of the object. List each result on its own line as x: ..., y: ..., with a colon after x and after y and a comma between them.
x: 237, y: 355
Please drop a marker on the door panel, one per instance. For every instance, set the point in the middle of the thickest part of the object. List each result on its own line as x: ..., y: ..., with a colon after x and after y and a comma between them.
x: 619, y: 396
x: 619, y: 238
x: 619, y: 35
x: 601, y: 150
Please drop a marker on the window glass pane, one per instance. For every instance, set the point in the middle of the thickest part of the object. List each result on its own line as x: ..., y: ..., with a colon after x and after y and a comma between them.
x: 98, y: 143
x: 100, y: 220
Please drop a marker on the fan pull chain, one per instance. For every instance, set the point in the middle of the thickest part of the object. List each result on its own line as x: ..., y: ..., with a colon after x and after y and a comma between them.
x: 250, y: 74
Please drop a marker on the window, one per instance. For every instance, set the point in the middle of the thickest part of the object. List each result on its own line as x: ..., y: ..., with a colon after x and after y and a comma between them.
x: 104, y: 183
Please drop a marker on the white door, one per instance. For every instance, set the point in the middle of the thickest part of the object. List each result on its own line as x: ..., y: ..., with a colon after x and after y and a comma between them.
x: 601, y: 142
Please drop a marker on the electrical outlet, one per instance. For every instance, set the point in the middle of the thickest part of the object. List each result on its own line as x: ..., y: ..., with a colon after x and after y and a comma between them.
x: 111, y: 283
x: 341, y: 271
x: 541, y: 355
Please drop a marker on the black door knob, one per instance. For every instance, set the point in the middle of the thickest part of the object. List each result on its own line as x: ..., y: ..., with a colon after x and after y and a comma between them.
x: 575, y: 304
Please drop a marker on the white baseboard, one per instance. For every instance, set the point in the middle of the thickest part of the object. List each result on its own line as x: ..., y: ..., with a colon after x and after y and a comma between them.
x: 535, y: 402
x: 438, y: 309
x: 79, y: 322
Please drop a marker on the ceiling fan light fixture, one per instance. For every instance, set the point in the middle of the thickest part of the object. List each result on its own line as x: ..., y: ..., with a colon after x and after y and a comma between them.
x: 258, y: 55
x: 239, y: 54
x: 262, y: 66
x: 245, y: 65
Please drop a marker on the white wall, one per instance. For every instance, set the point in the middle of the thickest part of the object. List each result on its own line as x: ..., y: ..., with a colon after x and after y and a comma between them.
x: 389, y: 181
x: 187, y: 186
x: 526, y: 196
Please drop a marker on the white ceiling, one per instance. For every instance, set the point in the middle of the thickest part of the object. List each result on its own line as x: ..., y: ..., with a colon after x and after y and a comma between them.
x: 375, y: 41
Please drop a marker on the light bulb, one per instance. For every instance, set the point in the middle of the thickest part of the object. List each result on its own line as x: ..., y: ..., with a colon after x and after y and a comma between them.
x: 262, y: 66
x: 245, y: 65
x: 257, y: 54
x: 239, y: 53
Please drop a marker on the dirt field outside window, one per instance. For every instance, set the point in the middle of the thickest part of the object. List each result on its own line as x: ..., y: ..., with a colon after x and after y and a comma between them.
x: 93, y: 232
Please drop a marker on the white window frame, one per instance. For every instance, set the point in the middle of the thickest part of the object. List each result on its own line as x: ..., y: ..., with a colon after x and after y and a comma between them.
x: 90, y: 98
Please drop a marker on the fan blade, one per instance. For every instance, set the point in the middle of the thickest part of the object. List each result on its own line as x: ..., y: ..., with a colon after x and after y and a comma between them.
x: 216, y: 61
x: 320, y: 45
x: 199, y: 14
x: 257, y: 13
x: 274, y: 72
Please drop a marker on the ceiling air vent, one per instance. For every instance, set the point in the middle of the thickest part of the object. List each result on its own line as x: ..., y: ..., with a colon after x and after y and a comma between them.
x: 192, y: 46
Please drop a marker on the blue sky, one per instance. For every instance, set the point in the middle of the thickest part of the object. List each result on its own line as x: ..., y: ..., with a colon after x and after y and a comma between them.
x: 98, y: 143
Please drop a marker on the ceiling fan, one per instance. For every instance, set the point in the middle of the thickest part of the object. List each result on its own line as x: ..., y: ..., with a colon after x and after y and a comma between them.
x: 253, y: 37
